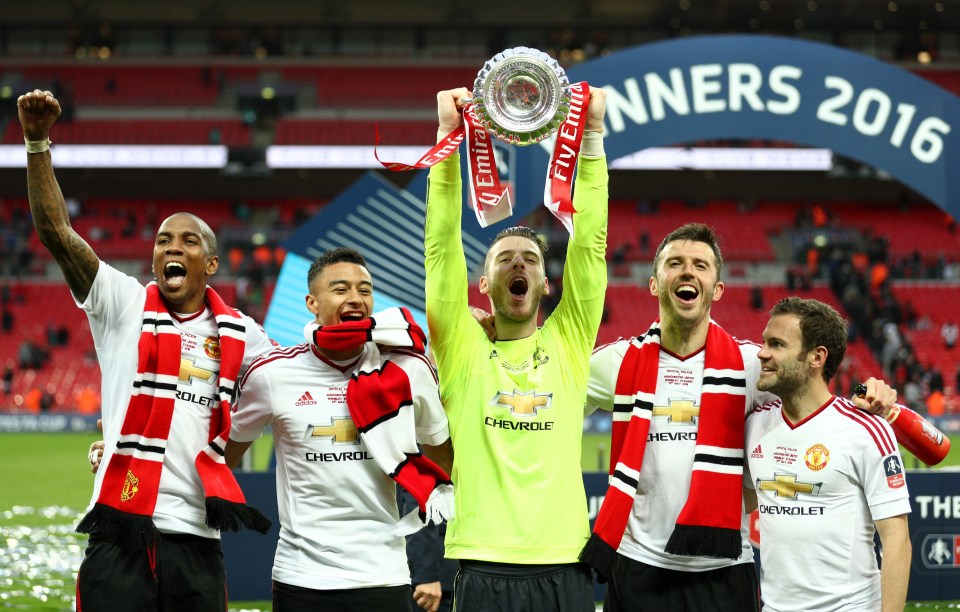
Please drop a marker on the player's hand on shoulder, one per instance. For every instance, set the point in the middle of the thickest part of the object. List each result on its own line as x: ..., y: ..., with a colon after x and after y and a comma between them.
x: 486, y: 321
x: 877, y: 397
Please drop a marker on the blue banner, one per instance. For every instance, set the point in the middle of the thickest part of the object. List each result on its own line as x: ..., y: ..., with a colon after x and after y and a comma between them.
x: 784, y: 89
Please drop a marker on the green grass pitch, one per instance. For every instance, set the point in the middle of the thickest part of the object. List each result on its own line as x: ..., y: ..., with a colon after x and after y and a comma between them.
x: 41, y: 470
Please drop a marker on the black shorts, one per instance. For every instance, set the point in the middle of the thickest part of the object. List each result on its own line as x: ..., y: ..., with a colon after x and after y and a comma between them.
x: 177, y: 573
x: 289, y: 598
x: 638, y: 587
x: 505, y: 587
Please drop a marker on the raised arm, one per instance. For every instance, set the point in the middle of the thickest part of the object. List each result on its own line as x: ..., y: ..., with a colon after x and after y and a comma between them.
x: 445, y: 263
x: 585, y: 269
x: 38, y: 110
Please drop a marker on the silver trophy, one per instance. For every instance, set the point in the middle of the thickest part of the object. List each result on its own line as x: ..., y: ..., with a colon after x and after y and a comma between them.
x: 521, y: 95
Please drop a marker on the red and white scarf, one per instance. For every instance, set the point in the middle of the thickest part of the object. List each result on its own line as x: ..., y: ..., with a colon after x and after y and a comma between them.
x: 380, y: 402
x: 128, y: 494
x: 709, y: 524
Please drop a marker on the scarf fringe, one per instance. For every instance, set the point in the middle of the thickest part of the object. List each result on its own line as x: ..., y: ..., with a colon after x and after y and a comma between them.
x: 600, y: 556
x: 700, y: 541
x: 439, y: 505
x: 231, y: 516
x: 122, y: 528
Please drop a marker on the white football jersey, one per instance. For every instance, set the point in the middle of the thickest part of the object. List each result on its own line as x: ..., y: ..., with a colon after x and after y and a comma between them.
x: 664, y: 482
x: 114, y: 309
x: 337, y: 507
x: 821, y: 483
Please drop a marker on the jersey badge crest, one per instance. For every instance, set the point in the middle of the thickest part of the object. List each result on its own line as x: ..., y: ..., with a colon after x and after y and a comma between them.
x: 894, y: 471
x: 817, y: 457
x: 211, y: 346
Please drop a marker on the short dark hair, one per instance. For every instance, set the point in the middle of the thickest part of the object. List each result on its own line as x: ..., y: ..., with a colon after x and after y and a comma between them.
x: 523, y: 232
x: 697, y: 232
x: 333, y: 256
x: 207, y: 236
x: 820, y: 325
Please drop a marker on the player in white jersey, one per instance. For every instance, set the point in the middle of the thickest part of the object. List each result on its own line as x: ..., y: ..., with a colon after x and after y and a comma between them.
x: 670, y: 453
x: 164, y: 556
x: 338, y: 549
x: 826, y: 477
x: 687, y: 270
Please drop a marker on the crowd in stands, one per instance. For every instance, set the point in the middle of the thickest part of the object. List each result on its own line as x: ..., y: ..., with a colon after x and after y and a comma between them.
x: 858, y: 265
x: 861, y: 272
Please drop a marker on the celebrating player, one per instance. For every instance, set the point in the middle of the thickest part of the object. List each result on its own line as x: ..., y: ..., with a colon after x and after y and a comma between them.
x: 671, y: 533
x: 516, y: 405
x: 346, y: 416
x: 170, y: 354
x: 825, y: 474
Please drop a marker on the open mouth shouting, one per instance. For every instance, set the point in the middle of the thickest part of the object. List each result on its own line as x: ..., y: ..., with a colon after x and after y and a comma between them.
x: 174, y: 273
x: 518, y: 288
x: 687, y: 293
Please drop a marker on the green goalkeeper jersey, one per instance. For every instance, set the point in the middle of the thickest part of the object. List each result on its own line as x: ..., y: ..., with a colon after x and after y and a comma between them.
x: 516, y: 407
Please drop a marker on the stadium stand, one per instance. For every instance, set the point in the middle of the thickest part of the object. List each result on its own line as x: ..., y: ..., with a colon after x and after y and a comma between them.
x: 162, y: 88
x: 232, y: 133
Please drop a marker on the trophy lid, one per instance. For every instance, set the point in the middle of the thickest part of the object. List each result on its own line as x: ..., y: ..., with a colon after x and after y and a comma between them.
x: 522, y: 95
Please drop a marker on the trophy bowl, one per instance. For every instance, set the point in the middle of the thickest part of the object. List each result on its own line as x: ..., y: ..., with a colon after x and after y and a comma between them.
x: 521, y: 95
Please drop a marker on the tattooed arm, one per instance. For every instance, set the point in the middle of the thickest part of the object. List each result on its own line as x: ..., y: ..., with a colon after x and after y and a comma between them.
x: 38, y: 110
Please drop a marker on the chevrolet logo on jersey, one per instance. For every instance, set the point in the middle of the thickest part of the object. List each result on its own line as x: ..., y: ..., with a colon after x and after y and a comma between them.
x: 522, y: 404
x: 786, y: 485
x: 679, y: 411
x: 341, y: 431
x: 190, y: 371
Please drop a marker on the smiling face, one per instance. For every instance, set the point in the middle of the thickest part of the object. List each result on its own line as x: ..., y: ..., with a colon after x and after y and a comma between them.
x: 182, y: 263
x: 342, y: 291
x: 784, y: 365
x: 515, y: 279
x: 686, y: 282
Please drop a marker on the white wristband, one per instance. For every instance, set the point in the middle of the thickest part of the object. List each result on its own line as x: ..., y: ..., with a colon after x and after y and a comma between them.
x: 592, y: 144
x: 37, y: 146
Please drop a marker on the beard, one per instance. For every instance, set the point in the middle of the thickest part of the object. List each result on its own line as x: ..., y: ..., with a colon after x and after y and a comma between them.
x: 504, y: 307
x: 790, y: 379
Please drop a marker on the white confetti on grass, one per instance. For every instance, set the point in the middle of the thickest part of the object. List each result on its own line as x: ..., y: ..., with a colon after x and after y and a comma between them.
x: 40, y: 561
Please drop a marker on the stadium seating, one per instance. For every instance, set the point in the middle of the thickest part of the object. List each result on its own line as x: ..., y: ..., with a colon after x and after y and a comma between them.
x: 354, y: 132
x: 745, y: 236
x: 233, y: 133
x: 113, y: 84
x: 39, y: 305
x: 939, y: 303
x: 922, y: 228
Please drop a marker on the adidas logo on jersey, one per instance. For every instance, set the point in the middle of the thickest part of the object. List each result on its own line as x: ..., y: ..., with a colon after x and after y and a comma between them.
x: 306, y: 400
x: 757, y: 453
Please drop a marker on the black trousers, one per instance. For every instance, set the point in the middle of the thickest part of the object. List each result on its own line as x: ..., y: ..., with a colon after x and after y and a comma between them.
x: 289, y: 598
x: 176, y: 573
x: 637, y: 587
x: 504, y: 587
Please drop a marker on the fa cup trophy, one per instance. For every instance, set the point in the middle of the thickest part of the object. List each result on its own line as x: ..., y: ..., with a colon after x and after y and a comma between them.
x: 521, y: 95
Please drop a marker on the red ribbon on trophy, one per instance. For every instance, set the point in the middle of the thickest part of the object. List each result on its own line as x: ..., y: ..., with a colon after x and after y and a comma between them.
x: 488, y: 198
